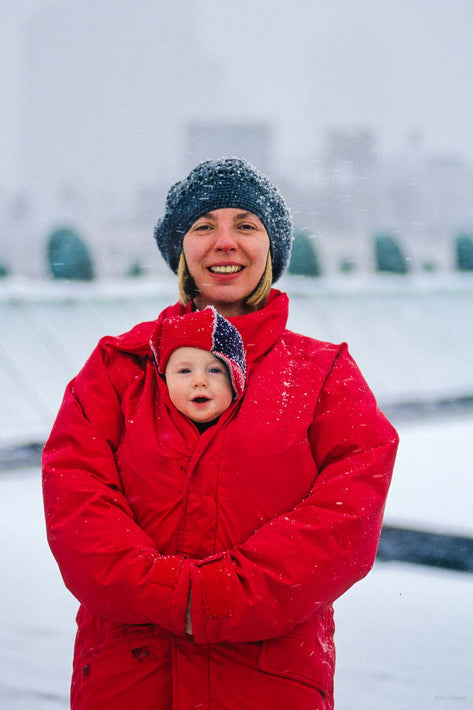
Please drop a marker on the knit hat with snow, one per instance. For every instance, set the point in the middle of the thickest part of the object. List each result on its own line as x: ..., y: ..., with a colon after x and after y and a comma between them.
x: 227, y: 182
x: 206, y: 330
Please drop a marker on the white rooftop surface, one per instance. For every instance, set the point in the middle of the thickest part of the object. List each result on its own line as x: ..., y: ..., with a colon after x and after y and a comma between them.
x: 432, y: 486
x: 412, y: 337
x: 403, y: 634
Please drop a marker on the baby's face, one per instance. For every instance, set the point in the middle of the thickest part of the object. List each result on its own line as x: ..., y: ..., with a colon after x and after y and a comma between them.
x: 198, y: 383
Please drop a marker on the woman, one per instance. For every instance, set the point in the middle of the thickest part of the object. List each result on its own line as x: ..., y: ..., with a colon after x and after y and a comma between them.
x: 206, y: 565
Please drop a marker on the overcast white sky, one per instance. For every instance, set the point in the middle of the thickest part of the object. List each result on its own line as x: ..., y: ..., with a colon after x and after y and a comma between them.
x: 394, y: 65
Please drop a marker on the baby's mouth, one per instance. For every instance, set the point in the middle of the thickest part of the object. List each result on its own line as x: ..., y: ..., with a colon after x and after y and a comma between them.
x: 201, y: 400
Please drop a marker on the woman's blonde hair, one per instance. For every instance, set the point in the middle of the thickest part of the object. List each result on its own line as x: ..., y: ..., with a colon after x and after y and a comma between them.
x: 188, y: 290
x: 187, y: 287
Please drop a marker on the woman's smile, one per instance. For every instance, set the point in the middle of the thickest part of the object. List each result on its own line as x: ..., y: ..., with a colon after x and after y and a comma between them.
x: 225, y: 269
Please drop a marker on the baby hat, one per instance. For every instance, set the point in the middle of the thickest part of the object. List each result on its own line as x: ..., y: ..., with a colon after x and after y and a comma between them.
x: 227, y: 182
x: 206, y: 330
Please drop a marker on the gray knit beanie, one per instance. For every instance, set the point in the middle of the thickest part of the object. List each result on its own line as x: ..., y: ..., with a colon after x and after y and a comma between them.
x: 227, y: 182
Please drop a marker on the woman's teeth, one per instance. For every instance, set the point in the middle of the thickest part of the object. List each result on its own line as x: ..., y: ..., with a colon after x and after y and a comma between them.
x: 230, y: 269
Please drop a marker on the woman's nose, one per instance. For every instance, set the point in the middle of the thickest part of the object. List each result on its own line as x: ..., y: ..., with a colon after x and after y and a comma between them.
x: 225, y: 238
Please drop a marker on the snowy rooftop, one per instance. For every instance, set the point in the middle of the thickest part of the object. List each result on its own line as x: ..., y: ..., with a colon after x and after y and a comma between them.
x: 412, y: 338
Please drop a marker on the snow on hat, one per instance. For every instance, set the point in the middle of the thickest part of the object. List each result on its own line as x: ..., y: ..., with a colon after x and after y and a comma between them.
x: 227, y: 182
x: 206, y: 330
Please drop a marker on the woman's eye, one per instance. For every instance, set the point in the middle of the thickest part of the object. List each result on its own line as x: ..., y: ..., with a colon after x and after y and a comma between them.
x: 247, y: 227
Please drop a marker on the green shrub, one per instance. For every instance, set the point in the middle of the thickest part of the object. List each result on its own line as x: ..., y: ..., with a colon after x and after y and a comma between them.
x: 68, y: 256
x: 464, y: 252
x: 136, y: 269
x: 388, y: 255
x: 304, y: 260
x: 4, y: 270
x: 347, y: 265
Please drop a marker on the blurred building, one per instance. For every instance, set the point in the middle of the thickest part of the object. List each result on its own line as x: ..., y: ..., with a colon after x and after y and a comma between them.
x: 354, y: 150
x: 88, y: 69
x: 91, y: 162
x: 215, y: 139
x: 354, y: 193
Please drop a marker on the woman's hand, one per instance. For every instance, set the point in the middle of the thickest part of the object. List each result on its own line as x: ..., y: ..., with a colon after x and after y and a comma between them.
x: 188, y: 617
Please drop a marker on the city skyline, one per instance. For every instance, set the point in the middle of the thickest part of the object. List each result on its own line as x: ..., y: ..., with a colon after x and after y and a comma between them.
x: 400, y: 69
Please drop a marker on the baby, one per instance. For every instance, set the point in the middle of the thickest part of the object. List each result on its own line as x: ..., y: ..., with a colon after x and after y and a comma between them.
x: 202, y: 359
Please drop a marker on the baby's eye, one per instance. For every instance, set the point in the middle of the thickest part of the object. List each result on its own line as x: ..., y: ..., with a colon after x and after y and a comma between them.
x: 184, y: 371
x: 215, y: 370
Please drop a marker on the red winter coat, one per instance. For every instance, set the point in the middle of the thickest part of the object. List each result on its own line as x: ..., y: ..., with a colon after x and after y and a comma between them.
x: 267, y: 517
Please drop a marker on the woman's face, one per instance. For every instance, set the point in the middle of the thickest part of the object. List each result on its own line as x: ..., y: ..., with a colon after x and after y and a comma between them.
x: 226, y: 252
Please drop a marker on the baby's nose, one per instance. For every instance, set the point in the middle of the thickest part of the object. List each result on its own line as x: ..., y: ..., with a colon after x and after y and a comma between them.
x: 200, y: 380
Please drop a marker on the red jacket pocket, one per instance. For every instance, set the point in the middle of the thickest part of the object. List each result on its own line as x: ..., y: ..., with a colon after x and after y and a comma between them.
x: 306, y: 655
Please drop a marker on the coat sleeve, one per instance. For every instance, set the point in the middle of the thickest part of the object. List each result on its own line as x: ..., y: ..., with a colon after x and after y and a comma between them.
x: 107, y: 561
x: 300, y: 561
